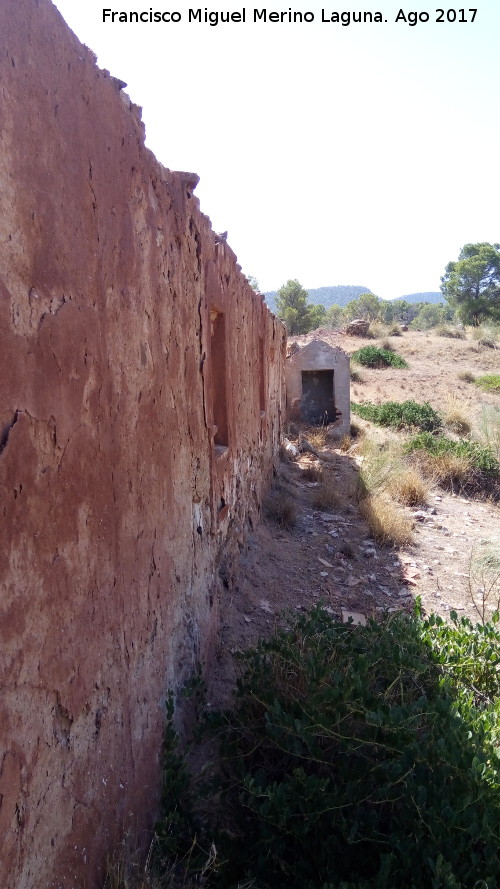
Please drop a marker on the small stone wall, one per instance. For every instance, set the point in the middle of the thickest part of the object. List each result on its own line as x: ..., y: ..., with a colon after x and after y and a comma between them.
x: 140, y: 410
x: 309, y: 355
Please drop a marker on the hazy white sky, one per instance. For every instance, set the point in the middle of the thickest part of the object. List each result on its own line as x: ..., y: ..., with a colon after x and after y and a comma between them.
x: 362, y: 154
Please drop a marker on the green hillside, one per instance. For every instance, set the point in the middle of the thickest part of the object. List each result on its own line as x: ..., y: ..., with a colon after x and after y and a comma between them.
x: 341, y: 294
x: 430, y: 296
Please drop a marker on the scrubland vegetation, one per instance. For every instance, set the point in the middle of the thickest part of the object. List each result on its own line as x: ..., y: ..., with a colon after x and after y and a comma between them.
x: 361, y: 757
x: 489, y: 382
x: 375, y: 356
x: 351, y: 757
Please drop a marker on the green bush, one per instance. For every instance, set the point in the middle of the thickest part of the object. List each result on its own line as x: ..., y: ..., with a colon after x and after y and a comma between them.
x: 360, y: 758
x: 402, y: 415
x: 430, y: 315
x: 372, y: 356
x: 489, y: 382
x: 481, y: 458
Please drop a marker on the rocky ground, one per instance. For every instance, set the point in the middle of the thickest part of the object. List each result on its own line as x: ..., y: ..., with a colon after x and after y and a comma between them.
x: 329, y: 557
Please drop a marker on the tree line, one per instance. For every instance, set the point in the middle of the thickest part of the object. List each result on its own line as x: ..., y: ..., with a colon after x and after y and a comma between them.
x: 470, y: 286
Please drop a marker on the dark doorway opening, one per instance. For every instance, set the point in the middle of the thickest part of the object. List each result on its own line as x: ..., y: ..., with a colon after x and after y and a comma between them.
x: 318, y: 397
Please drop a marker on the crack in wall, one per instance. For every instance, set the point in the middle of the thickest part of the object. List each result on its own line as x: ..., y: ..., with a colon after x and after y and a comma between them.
x: 4, y: 437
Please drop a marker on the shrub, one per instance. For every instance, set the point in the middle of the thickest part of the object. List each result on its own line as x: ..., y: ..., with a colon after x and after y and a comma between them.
x: 458, y: 465
x: 479, y: 457
x: 457, y: 416
x: 402, y: 415
x: 372, y: 356
x: 362, y: 758
x: 488, y: 382
x: 394, y: 330
x: 430, y: 315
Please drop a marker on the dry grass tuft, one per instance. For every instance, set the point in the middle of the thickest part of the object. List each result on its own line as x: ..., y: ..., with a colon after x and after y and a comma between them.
x: 446, y: 470
x: 378, y: 464
x: 466, y: 376
x: 386, y: 344
x: 129, y: 869
x: 395, y: 330
x: 388, y: 523
x: 345, y: 443
x: 487, y: 342
x: 457, y: 415
x: 408, y: 487
x: 487, y: 428
x: 486, y: 336
x: 454, y: 333
x: 311, y: 473
x: 316, y: 436
x: 355, y: 430
x: 282, y: 508
x: 355, y: 375
x: 327, y: 496
x: 377, y: 330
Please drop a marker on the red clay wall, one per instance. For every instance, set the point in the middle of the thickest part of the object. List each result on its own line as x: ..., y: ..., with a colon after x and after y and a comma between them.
x: 119, y: 517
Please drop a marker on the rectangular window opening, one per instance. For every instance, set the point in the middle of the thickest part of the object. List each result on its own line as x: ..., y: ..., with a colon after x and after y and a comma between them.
x: 219, y: 385
x: 262, y: 377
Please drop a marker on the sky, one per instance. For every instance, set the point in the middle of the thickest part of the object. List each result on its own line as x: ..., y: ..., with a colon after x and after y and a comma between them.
x: 361, y: 154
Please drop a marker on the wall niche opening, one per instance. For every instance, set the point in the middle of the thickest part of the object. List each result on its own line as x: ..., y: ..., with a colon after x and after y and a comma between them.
x: 262, y: 378
x: 218, y: 376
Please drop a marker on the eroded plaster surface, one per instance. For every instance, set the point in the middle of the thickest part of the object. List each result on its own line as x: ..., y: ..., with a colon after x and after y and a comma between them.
x: 120, y: 516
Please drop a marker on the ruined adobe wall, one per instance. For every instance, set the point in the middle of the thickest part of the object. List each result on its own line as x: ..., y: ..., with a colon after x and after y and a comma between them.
x: 120, y: 515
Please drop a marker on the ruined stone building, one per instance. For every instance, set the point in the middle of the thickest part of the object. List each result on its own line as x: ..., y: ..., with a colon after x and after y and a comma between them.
x: 140, y: 403
x: 318, y: 384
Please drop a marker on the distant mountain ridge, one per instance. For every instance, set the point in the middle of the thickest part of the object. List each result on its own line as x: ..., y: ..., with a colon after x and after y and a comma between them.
x: 341, y: 294
x: 430, y: 296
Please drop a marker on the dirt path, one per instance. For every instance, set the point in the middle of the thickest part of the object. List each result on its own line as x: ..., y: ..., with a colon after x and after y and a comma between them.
x: 329, y: 557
